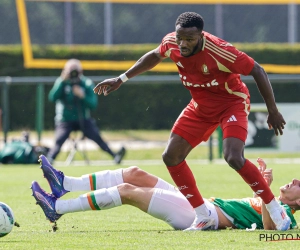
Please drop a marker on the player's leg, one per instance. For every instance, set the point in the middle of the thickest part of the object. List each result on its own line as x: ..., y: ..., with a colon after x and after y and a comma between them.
x: 62, y: 132
x: 54, y: 208
x: 168, y: 206
x: 140, y: 178
x: 176, y: 151
x: 234, y: 124
x: 234, y: 137
x: 234, y: 155
x: 188, y: 131
x: 61, y: 184
x: 91, y: 131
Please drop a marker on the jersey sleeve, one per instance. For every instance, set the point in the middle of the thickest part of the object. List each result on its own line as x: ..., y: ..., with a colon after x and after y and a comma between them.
x: 242, y: 63
x: 166, y: 45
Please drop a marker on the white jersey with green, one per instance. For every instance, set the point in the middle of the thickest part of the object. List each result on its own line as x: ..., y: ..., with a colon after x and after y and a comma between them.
x: 244, y: 212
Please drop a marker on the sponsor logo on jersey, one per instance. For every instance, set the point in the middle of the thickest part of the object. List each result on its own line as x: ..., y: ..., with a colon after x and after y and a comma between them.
x: 190, y: 84
x: 232, y: 119
x: 179, y: 64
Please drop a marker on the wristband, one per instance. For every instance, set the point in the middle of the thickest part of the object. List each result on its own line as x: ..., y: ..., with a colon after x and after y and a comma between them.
x: 123, y: 77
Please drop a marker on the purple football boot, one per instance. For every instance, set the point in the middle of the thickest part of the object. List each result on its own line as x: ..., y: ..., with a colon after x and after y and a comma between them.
x: 54, y: 177
x: 46, y: 202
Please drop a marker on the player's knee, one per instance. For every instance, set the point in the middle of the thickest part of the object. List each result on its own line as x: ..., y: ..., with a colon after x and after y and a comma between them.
x: 167, y: 159
x: 171, y: 159
x: 235, y: 161
x: 134, y: 172
x: 125, y: 190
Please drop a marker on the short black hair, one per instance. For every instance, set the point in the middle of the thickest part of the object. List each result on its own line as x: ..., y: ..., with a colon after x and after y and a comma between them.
x: 189, y: 20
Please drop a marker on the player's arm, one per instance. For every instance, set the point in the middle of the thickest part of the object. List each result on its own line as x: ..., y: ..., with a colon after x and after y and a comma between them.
x: 275, y: 119
x: 266, y: 219
x: 268, y: 177
x: 145, y: 63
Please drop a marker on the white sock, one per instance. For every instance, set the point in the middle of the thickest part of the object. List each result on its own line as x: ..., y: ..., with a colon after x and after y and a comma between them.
x: 273, y: 205
x: 68, y: 206
x: 94, y: 181
x: 101, y: 199
x: 202, y: 209
x: 165, y: 185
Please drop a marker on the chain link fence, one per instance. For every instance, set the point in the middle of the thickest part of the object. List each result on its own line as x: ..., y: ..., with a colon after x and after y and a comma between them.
x: 115, y: 23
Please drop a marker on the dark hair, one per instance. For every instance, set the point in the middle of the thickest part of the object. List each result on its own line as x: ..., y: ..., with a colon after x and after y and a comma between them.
x: 189, y: 20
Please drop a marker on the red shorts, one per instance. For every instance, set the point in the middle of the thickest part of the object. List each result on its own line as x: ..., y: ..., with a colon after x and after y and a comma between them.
x: 195, y: 128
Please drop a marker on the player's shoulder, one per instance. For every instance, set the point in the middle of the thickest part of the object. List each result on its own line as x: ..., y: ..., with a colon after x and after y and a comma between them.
x: 170, y: 38
x: 219, y: 48
x: 211, y: 40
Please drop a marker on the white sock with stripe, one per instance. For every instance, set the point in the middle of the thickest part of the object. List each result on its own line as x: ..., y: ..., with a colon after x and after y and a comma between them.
x: 101, y: 199
x: 94, y: 181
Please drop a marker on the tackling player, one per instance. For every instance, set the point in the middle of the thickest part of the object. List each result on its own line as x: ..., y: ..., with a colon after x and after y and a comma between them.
x: 210, y: 69
x: 151, y: 194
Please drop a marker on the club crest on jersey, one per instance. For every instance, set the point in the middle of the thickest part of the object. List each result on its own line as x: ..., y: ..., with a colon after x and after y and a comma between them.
x: 205, y: 69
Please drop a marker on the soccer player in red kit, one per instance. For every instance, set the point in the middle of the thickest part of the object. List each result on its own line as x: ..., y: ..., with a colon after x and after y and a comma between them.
x: 210, y: 69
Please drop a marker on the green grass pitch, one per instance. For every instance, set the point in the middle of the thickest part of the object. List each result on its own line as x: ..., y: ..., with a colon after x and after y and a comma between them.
x: 127, y: 227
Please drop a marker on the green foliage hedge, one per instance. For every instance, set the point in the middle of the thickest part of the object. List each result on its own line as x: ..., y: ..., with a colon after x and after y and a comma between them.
x: 133, y: 106
x: 11, y: 58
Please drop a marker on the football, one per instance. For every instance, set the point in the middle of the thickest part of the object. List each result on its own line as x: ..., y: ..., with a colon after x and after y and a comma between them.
x: 7, y: 219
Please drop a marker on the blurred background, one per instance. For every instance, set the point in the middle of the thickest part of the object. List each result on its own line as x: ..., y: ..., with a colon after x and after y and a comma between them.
x: 37, y: 37
x: 135, y: 22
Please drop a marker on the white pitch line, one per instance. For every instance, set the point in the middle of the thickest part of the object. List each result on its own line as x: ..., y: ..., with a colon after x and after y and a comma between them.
x: 281, y: 161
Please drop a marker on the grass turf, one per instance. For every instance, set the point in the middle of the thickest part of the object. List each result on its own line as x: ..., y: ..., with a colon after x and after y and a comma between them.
x: 127, y: 227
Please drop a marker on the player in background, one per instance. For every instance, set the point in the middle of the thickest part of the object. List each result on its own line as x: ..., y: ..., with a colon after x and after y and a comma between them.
x: 133, y: 186
x: 210, y: 69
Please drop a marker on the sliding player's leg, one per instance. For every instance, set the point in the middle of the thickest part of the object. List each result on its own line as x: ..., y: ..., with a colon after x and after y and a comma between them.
x: 166, y: 205
x: 60, y: 184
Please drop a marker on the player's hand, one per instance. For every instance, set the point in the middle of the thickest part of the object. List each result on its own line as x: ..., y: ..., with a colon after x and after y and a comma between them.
x: 268, y: 176
x: 261, y: 165
x: 276, y: 121
x: 107, y: 86
x: 267, y: 173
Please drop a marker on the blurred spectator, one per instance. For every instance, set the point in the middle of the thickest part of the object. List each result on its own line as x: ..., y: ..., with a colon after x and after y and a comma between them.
x: 74, y: 98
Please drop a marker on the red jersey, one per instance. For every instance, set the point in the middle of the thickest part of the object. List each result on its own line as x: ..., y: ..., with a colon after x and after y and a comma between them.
x: 212, y: 75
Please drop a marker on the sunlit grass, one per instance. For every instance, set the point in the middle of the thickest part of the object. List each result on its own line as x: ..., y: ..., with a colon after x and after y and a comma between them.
x: 127, y: 227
